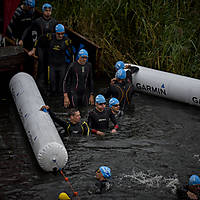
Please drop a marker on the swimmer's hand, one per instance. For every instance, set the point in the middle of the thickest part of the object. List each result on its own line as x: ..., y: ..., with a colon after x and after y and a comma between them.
x: 114, y: 131
x: 100, y: 133
x: 45, y: 107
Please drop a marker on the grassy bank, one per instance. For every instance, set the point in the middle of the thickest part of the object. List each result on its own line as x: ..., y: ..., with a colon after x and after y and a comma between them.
x: 158, y: 34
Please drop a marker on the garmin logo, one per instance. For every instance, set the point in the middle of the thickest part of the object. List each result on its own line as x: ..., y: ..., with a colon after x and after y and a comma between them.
x: 151, y: 89
x: 102, y: 120
x: 196, y: 100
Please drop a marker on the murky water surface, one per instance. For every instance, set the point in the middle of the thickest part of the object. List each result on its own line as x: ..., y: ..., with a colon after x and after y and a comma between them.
x: 156, y: 148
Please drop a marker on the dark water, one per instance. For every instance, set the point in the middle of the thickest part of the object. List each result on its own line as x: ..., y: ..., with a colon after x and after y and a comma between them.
x: 156, y: 148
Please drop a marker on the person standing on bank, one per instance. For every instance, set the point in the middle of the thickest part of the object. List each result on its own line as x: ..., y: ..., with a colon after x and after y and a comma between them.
x: 73, y: 126
x: 21, y: 19
x: 78, y: 86
x: 42, y: 26
x: 57, y: 45
x: 98, y: 119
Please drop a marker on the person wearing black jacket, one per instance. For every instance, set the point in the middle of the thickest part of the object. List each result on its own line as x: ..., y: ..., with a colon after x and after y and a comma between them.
x: 98, y: 119
x: 73, y: 126
x: 41, y: 26
x: 78, y: 85
x: 58, y: 45
x: 21, y: 19
x: 120, y: 89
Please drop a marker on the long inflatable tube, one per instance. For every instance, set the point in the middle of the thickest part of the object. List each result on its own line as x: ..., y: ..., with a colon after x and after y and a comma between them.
x: 43, y: 136
x: 167, y: 85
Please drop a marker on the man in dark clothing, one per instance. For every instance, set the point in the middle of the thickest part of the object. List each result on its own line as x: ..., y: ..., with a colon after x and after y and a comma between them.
x: 190, y: 191
x: 73, y: 126
x: 115, y: 107
x: 98, y: 119
x: 21, y: 19
x: 78, y: 86
x: 120, y: 89
x: 42, y: 26
x: 57, y: 44
x: 103, y: 184
x: 129, y: 71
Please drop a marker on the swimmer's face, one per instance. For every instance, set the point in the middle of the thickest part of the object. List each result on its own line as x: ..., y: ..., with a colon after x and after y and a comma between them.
x: 100, y: 106
x: 47, y: 12
x: 59, y: 36
x: 116, y: 107
x: 82, y: 60
x: 76, y: 117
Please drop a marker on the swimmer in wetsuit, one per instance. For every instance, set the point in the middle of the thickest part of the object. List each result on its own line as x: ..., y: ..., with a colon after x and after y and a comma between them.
x: 78, y: 86
x: 98, y: 119
x: 103, y: 184
x: 115, y: 107
x: 129, y: 71
x: 73, y: 126
x: 121, y: 89
x: 57, y: 44
x: 190, y: 191
x: 42, y: 26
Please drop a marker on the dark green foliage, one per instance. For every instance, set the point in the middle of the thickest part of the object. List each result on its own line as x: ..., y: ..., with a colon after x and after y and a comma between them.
x: 161, y: 34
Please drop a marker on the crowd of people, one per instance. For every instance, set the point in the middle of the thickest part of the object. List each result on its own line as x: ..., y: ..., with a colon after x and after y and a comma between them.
x: 71, y: 75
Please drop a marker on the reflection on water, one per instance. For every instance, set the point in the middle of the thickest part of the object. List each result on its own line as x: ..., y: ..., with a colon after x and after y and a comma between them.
x: 156, y: 148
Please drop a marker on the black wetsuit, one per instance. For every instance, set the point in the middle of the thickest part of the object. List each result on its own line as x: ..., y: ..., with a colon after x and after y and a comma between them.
x: 121, y: 91
x: 100, y: 187
x: 19, y: 22
x: 99, y: 121
x: 41, y: 26
x: 78, y: 129
x: 118, y: 115
x: 56, y: 58
x: 78, y: 83
x: 129, y: 73
x: 181, y: 193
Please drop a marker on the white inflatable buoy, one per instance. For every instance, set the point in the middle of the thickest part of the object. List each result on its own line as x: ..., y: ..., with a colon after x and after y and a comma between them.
x: 167, y: 85
x: 43, y: 136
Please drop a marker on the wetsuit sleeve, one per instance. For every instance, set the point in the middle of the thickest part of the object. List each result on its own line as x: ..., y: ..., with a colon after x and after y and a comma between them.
x: 12, y: 26
x: 113, y: 119
x: 69, y: 49
x: 67, y: 80
x: 91, y: 82
x: 107, y: 92
x: 86, y: 129
x: 25, y: 33
x: 57, y: 120
x: 181, y: 193
x: 91, y: 122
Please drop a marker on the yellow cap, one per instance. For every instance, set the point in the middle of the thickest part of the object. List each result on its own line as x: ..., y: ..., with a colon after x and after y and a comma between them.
x: 63, y: 196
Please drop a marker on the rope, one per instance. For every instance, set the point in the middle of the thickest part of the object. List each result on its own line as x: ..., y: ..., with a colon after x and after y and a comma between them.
x: 67, y: 180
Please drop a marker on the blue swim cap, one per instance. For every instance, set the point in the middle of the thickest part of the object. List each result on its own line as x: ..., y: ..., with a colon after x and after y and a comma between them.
x: 59, y: 28
x: 120, y: 74
x: 100, y: 99
x: 106, y: 171
x: 30, y: 3
x: 194, y: 180
x: 82, y: 53
x: 119, y: 65
x: 45, y: 6
x: 113, y: 101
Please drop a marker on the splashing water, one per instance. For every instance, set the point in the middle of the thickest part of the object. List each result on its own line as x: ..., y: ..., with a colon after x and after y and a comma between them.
x: 152, y: 180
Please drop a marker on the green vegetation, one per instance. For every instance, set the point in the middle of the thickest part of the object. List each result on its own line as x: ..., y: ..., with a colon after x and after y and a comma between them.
x: 160, y: 34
